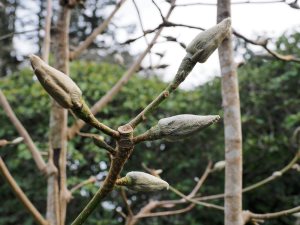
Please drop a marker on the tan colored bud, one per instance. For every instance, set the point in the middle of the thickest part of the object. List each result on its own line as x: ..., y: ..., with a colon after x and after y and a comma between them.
x: 143, y: 182
x: 17, y: 140
x: 181, y: 126
x: 58, y: 85
x: 205, y: 43
x: 219, y: 165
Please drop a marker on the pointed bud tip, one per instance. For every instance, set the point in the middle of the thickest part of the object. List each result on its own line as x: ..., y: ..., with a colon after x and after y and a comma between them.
x: 35, y: 60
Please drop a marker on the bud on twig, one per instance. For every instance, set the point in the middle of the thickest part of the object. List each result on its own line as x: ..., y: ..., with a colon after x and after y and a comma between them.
x: 58, y: 85
x: 208, y: 41
x: 220, y: 165
x: 178, y: 127
x: 64, y: 90
x: 140, y: 181
x: 17, y: 140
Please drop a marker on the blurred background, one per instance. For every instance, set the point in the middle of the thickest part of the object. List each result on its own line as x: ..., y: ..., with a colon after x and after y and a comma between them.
x: 269, y: 93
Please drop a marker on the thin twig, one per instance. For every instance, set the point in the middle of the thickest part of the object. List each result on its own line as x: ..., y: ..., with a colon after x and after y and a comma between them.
x: 233, y: 3
x: 167, y: 213
x: 142, y: 27
x: 146, y: 210
x: 21, y: 195
x: 275, y: 214
x: 260, y: 183
x: 159, y: 10
x: 118, y: 86
x: 47, y: 38
x: 125, y: 200
x: 88, y: 41
x: 23, y: 133
x: 17, y: 33
x: 287, y: 58
x: 91, y: 180
x: 208, y: 205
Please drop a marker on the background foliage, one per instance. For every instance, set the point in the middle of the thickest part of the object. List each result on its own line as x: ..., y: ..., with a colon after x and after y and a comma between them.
x: 270, y: 103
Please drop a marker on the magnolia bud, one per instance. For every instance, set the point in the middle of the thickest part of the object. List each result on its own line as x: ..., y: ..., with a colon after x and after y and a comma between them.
x: 58, y: 85
x: 17, y: 140
x: 179, y: 127
x: 139, y: 181
x: 297, y: 215
x: 219, y: 165
x: 205, y: 43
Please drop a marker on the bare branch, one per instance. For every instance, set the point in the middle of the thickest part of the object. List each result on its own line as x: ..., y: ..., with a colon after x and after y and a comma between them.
x: 125, y: 200
x: 263, y: 44
x: 23, y: 133
x: 267, y: 180
x: 142, y: 27
x: 287, y: 58
x: 88, y: 41
x: 250, y: 216
x: 167, y: 213
x: 159, y: 10
x: 201, y: 180
x: 118, y: 86
x: 17, y: 33
x: 91, y: 180
x: 47, y: 38
x: 233, y: 3
x: 21, y: 195
x: 208, y: 205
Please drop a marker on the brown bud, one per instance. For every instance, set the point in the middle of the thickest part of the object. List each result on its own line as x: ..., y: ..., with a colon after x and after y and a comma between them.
x: 58, y: 85
x: 205, y: 43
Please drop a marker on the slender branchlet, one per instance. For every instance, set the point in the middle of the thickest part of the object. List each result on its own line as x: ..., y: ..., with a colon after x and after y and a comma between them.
x: 124, y: 149
x: 99, y: 141
x: 198, y: 51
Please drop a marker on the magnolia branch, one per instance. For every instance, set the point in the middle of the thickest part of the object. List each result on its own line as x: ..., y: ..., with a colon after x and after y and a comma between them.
x: 250, y: 216
x: 91, y: 180
x: 89, y: 40
x: 233, y: 3
x: 118, y: 86
x: 47, y: 38
x: 21, y: 195
x: 23, y: 133
x: 287, y: 58
x: 146, y: 210
x: 275, y: 175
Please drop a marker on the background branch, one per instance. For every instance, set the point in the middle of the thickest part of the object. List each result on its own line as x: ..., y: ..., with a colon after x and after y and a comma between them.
x: 89, y: 40
x: 21, y: 195
x: 118, y: 86
x: 39, y: 161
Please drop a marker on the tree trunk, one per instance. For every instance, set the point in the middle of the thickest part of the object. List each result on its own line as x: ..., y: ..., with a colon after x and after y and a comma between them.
x: 58, y: 127
x: 232, y: 125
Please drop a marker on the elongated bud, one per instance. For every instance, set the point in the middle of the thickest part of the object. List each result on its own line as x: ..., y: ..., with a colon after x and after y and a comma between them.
x: 144, y: 182
x: 17, y: 140
x: 205, y: 43
x: 58, y: 85
x: 219, y: 165
x: 178, y: 127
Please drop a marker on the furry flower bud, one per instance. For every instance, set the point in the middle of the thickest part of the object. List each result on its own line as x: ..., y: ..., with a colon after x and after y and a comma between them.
x: 58, y: 85
x: 205, y: 43
x: 143, y: 182
x: 220, y: 165
x: 178, y: 127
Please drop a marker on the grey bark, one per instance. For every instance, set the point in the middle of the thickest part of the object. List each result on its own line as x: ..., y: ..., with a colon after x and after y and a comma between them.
x: 232, y: 125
